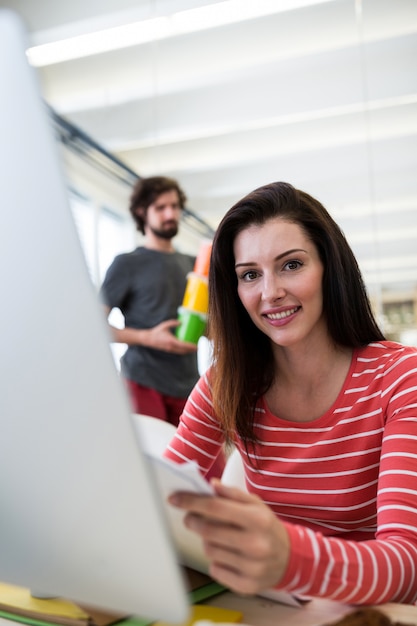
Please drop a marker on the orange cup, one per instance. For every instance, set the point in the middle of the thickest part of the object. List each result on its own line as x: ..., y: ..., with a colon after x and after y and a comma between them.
x: 202, y: 262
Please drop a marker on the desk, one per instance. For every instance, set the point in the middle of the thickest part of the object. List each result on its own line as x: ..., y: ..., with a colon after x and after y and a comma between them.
x: 259, y: 612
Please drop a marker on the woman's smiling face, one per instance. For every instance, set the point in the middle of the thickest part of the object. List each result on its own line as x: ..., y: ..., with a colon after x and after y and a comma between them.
x: 279, y: 275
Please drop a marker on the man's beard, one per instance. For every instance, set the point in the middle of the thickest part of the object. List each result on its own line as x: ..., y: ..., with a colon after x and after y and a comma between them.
x: 166, y: 233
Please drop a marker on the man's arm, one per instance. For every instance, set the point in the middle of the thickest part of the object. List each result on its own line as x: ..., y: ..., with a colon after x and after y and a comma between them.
x: 160, y: 337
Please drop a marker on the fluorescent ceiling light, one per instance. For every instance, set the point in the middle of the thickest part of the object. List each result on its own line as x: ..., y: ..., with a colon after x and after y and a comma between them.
x: 183, y: 22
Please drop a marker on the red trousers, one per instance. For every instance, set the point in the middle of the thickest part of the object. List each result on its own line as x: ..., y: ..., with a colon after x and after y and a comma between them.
x: 148, y: 401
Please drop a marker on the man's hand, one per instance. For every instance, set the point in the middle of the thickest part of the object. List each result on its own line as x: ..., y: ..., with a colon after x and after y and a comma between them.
x: 161, y: 337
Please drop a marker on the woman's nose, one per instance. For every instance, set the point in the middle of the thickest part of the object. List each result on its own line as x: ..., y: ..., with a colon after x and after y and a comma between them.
x: 273, y: 288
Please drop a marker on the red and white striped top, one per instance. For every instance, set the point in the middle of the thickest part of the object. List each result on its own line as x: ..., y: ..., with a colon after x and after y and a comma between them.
x: 345, y: 484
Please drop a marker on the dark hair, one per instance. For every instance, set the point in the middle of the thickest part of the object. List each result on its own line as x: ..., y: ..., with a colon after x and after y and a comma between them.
x: 242, y: 355
x: 146, y: 191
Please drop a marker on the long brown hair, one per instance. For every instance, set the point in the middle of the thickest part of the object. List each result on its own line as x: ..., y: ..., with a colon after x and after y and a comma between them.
x: 243, y: 366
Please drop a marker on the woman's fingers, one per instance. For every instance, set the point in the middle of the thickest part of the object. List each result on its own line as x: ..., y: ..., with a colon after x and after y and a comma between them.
x: 246, y: 544
x: 224, y: 508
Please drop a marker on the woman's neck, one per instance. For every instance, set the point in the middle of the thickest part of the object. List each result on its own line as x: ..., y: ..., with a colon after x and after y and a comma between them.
x: 307, y: 383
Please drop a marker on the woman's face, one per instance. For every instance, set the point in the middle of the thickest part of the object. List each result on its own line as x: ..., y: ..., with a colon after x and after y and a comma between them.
x: 279, y: 275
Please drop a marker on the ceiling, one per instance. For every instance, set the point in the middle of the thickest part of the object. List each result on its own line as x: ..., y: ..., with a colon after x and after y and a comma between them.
x: 320, y: 94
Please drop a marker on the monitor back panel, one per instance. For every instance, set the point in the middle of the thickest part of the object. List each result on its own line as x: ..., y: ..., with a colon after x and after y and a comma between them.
x: 80, y: 516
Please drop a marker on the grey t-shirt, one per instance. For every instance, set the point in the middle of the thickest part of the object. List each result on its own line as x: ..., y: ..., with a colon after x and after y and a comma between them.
x: 148, y: 287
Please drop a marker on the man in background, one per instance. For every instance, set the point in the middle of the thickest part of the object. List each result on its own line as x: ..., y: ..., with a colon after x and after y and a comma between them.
x: 148, y: 285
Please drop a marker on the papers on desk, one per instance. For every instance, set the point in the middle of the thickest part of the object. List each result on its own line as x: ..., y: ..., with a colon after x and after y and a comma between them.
x: 172, y: 477
x: 283, y: 597
x: 209, y: 615
x: 17, y: 602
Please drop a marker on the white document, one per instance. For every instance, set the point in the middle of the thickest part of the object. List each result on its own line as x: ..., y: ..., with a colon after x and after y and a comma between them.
x: 172, y: 477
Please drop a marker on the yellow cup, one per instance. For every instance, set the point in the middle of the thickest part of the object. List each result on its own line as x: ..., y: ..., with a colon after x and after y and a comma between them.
x: 196, y: 294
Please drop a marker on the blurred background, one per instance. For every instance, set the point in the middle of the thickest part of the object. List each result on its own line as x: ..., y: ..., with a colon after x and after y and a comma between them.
x: 227, y: 96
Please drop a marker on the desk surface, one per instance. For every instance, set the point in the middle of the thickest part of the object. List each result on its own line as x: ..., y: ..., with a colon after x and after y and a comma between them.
x: 260, y: 612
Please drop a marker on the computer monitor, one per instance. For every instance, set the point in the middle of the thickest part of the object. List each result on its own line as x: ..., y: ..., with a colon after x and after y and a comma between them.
x: 80, y: 516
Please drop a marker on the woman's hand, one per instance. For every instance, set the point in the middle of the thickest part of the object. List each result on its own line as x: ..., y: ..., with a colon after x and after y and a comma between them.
x: 247, y: 546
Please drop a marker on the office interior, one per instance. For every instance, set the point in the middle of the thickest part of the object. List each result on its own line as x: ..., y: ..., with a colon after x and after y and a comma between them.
x: 229, y: 95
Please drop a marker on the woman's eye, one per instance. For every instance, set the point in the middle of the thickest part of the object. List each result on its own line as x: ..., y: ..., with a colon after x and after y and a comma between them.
x: 293, y: 265
x: 248, y: 276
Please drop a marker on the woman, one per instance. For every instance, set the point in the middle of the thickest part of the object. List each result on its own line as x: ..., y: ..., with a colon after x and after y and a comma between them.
x: 321, y: 408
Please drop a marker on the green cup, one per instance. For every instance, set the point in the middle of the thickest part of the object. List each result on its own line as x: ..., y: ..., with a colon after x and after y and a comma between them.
x: 192, y: 325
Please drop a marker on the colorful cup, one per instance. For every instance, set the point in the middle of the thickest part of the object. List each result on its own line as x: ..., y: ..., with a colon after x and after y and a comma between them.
x: 192, y: 325
x: 202, y: 262
x: 196, y: 293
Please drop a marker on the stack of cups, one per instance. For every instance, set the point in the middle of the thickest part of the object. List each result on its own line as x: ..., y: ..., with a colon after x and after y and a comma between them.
x: 193, y: 312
